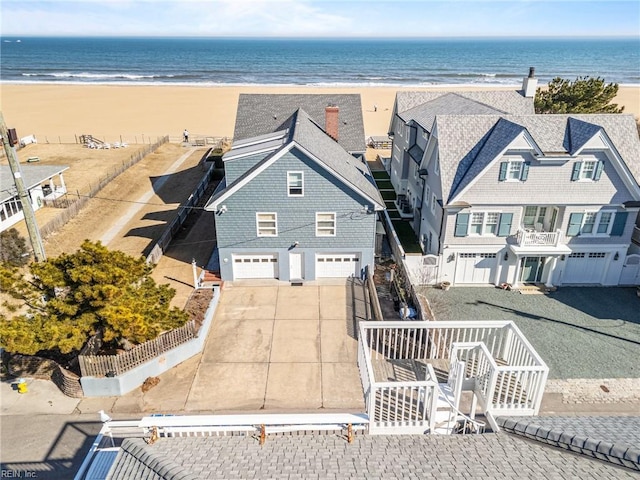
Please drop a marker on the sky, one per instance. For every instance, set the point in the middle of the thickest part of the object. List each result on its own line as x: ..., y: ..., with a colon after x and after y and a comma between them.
x: 320, y: 18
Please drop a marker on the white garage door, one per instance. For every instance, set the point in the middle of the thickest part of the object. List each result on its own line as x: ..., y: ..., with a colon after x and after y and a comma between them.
x: 255, y: 266
x: 475, y: 267
x: 584, y: 267
x: 337, y: 265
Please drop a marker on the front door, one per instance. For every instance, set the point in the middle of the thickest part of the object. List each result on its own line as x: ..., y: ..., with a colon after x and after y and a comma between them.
x: 532, y: 269
x: 295, y: 266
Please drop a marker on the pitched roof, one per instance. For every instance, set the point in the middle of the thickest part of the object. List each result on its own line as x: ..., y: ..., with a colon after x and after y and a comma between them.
x: 307, y: 134
x: 264, y: 113
x: 448, y: 104
x: 32, y: 175
x: 508, y: 101
x: 467, y: 143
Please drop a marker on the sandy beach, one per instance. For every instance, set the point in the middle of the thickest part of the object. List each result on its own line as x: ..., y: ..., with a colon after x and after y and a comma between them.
x: 135, y: 114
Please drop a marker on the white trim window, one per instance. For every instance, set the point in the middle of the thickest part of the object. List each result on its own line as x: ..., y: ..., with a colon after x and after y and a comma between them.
x: 295, y: 184
x: 514, y: 169
x: 597, y: 223
x: 484, y: 223
x: 267, y: 224
x: 533, y: 215
x: 325, y: 224
x: 587, y: 170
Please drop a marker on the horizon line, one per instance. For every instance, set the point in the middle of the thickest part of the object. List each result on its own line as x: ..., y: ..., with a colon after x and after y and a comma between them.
x: 322, y: 37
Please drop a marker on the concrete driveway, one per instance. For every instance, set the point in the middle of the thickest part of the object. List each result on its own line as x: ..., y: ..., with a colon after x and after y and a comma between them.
x: 278, y: 347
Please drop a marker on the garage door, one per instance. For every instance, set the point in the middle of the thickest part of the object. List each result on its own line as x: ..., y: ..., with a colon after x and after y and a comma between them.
x: 255, y: 266
x: 338, y: 265
x: 475, y: 267
x: 584, y: 268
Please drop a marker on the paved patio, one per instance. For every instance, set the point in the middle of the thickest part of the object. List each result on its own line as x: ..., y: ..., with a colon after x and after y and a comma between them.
x: 587, y: 332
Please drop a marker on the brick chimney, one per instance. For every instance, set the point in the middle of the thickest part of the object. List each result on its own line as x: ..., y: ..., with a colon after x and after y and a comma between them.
x: 530, y: 83
x: 331, y: 122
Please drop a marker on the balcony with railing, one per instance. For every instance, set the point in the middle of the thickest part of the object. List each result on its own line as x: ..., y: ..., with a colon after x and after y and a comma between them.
x: 530, y: 241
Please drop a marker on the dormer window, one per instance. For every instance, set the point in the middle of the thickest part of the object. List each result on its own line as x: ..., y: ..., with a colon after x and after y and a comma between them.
x: 587, y: 170
x: 514, y: 171
x: 295, y: 184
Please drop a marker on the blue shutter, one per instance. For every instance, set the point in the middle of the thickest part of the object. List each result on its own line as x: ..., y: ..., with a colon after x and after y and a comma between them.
x: 598, y: 173
x: 619, y: 222
x: 575, y: 222
x: 503, y: 171
x: 524, y: 174
x: 462, y: 225
x: 504, y: 229
x: 575, y: 175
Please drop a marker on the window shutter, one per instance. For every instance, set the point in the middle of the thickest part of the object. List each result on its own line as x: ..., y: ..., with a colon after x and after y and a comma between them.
x: 504, y: 229
x: 598, y: 173
x: 575, y: 175
x: 462, y: 225
x: 503, y: 171
x: 524, y: 174
x: 575, y: 222
x: 619, y: 222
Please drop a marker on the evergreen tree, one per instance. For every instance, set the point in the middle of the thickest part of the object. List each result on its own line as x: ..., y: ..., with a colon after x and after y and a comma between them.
x: 584, y: 95
x: 13, y: 248
x: 75, y: 296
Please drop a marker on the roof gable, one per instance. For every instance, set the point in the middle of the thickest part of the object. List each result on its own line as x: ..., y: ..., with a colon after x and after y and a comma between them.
x: 468, y: 143
x: 305, y: 135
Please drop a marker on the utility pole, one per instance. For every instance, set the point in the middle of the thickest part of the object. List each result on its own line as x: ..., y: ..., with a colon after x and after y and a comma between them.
x: 8, y: 142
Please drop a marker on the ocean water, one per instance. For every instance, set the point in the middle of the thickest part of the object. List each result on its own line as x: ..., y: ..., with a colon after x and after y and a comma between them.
x: 318, y: 62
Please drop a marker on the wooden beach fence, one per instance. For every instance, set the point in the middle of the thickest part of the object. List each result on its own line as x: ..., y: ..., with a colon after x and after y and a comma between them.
x: 114, y: 365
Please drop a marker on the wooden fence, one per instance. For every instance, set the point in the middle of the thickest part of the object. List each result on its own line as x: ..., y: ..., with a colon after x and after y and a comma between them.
x: 114, y: 365
x: 183, y: 212
x: 72, y: 206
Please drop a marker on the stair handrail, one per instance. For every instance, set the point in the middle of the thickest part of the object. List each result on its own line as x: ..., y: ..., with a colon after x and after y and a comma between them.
x: 478, y: 425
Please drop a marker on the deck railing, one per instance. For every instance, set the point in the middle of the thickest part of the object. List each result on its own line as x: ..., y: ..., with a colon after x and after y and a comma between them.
x: 526, y: 238
x: 506, y: 372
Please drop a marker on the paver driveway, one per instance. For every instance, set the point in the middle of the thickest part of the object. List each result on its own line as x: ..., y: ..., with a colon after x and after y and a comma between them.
x: 586, y: 332
x: 278, y: 347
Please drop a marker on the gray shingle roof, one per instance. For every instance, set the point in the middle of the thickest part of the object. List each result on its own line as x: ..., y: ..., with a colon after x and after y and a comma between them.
x: 33, y: 175
x: 508, y: 101
x: 461, y: 139
x: 374, y: 457
x: 264, y: 113
x: 447, y: 104
x: 305, y: 132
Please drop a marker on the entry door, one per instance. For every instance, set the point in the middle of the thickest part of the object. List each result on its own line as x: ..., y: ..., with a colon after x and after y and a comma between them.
x: 532, y: 269
x: 295, y: 266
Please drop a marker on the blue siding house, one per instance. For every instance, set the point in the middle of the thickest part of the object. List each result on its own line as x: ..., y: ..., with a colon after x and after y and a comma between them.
x: 295, y: 204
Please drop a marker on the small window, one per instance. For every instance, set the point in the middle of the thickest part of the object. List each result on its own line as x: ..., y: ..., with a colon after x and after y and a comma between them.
x: 514, y: 170
x: 588, y: 170
x: 295, y: 184
x: 477, y: 220
x: 484, y: 223
x: 605, y: 222
x: 325, y: 224
x: 491, y: 224
x: 267, y: 224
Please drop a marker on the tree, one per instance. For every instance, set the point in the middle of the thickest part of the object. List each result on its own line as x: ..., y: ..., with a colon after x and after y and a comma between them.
x: 13, y: 248
x: 74, y: 296
x: 584, y: 95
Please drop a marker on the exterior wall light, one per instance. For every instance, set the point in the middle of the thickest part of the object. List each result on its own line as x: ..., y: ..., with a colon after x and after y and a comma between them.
x: 506, y: 256
x: 616, y: 256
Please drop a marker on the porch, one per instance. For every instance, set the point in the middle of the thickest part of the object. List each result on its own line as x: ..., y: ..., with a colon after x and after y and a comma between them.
x: 413, y: 375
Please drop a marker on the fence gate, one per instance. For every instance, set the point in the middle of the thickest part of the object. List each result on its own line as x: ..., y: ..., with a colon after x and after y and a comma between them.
x: 630, y: 274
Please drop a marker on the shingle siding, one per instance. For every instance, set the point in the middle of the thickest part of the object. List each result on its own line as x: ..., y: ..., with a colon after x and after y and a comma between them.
x: 296, y: 216
x: 550, y: 185
x: 235, y: 168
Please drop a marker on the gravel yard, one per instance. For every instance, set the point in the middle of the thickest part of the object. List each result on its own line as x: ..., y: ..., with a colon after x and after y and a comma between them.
x: 587, y: 332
